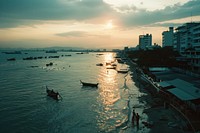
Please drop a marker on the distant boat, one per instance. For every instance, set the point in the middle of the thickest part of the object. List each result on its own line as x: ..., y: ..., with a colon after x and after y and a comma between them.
x: 119, y: 60
x: 122, y: 70
x: 89, y: 84
x: 57, y: 56
x: 28, y: 58
x: 51, y: 93
x: 108, y: 63
x: 50, y: 64
x: 99, y: 64
x: 51, y: 51
x: 110, y: 67
x: 80, y: 53
x: 13, y: 52
x: 11, y: 59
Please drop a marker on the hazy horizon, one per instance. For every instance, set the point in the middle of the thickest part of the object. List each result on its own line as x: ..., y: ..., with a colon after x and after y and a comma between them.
x: 90, y: 23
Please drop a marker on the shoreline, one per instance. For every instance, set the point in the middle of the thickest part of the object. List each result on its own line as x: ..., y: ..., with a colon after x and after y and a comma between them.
x: 155, y: 116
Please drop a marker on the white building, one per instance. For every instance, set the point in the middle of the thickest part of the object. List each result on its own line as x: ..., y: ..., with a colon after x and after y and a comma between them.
x: 187, y: 36
x: 145, y: 41
x: 167, y: 37
x: 196, y: 36
x: 187, y: 43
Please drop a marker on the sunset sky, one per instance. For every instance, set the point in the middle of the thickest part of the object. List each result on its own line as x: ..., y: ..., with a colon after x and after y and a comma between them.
x: 90, y: 23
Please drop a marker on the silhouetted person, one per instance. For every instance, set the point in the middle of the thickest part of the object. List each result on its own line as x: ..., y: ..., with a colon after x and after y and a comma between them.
x: 137, y: 120
x: 133, y: 116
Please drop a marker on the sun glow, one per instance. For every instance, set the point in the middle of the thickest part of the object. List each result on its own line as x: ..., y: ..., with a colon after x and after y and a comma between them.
x: 109, y: 25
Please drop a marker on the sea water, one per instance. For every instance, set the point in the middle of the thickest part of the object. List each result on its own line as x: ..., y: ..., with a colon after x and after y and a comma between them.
x: 26, y: 108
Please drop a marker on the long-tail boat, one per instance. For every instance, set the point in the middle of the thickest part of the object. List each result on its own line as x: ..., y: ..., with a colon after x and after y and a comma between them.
x: 53, y: 94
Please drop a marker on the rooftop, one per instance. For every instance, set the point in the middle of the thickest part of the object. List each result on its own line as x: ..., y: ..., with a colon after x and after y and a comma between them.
x: 185, y: 87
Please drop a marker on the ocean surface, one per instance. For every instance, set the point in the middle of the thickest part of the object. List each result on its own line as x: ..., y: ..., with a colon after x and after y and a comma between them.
x: 26, y: 108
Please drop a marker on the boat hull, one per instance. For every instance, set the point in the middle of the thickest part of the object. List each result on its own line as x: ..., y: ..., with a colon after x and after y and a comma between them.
x: 89, y: 84
x: 52, y: 94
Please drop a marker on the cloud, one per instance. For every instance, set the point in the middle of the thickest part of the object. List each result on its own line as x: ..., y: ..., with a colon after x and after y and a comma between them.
x: 29, y: 12
x: 12, y: 11
x: 73, y: 34
x: 126, y: 9
x: 177, y: 11
x: 81, y: 34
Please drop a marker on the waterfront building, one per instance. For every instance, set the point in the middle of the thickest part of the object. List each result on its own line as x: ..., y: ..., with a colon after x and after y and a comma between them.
x: 167, y: 37
x: 193, y: 57
x: 187, y: 36
x: 196, y: 36
x: 187, y: 43
x: 145, y: 41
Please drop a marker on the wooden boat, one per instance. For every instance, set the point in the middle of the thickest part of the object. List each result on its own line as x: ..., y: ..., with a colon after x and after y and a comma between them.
x: 89, y: 84
x: 122, y: 70
x: 50, y: 64
x: 53, y: 94
x: 110, y: 67
x: 99, y: 64
x: 108, y: 63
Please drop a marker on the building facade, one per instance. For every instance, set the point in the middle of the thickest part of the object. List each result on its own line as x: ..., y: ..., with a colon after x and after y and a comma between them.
x: 168, y: 37
x: 187, y: 36
x: 196, y: 36
x: 145, y: 41
x: 187, y: 43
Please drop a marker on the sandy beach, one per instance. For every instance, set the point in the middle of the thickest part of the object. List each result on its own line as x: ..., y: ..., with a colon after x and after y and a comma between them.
x: 154, y: 116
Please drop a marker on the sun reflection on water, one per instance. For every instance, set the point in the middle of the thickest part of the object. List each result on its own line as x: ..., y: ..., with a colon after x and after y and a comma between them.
x: 109, y: 57
x: 109, y: 91
x: 109, y: 115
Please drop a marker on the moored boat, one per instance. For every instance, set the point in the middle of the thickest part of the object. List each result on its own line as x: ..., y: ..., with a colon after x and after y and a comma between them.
x: 110, y: 67
x: 99, y: 64
x: 89, y: 84
x: 122, y: 70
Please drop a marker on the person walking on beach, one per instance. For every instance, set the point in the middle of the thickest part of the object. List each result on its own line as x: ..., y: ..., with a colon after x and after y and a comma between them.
x: 137, y: 120
x: 133, y: 117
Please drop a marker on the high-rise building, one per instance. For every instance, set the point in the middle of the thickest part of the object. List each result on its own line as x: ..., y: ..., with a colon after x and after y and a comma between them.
x: 145, y: 41
x: 187, y: 43
x: 167, y: 37
x: 187, y: 36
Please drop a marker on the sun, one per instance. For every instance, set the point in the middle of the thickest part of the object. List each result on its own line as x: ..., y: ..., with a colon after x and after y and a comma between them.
x: 109, y: 25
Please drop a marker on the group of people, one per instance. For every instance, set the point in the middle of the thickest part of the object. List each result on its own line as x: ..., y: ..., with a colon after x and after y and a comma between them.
x: 135, y: 117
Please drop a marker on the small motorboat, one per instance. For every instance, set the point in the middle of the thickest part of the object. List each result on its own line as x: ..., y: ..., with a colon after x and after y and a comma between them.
x: 53, y: 94
x: 89, y: 84
x: 11, y: 59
